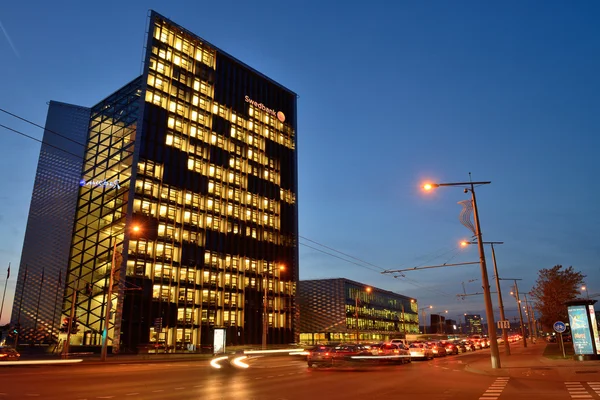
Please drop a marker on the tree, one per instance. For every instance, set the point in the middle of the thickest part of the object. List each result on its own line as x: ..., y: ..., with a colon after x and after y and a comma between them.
x: 553, y: 288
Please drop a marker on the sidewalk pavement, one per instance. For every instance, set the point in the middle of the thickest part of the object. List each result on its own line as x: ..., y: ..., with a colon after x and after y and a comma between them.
x: 531, y: 363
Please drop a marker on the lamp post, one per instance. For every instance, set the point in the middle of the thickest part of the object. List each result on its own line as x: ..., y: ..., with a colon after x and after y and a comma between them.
x: 423, y: 314
x: 368, y: 290
x: 516, y: 294
x: 265, y: 301
x: 500, y: 302
x: 586, y: 291
x: 489, y: 310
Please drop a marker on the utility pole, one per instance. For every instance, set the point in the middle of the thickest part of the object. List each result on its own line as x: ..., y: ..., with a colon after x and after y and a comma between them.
x: 529, y: 316
x: 500, y: 303
x: 520, y: 313
x: 108, y: 306
x: 70, y: 325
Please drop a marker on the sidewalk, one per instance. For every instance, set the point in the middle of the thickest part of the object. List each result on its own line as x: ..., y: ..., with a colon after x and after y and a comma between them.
x: 538, y: 361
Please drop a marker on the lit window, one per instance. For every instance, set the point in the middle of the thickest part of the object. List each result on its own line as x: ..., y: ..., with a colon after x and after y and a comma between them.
x: 215, y: 109
x: 210, y: 203
x: 251, y: 112
x: 209, y: 220
x: 211, y: 170
x: 229, y: 209
x: 250, y: 125
x: 250, y: 139
x: 196, y: 85
x: 177, y: 60
x: 213, y: 139
x: 231, y: 176
x: 266, y: 174
x: 199, y: 55
x: 186, y: 216
x: 231, y: 162
x: 190, y: 163
x: 249, y: 153
x: 195, y: 100
x: 248, y: 214
x: 194, y: 116
x: 266, y: 118
x: 233, y: 118
x: 232, y: 132
x: 211, y: 187
x: 172, y: 106
x: 193, y: 131
x: 178, y: 44
x: 169, y: 140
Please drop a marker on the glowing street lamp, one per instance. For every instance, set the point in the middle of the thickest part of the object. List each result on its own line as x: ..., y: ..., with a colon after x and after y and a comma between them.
x: 423, y: 314
x: 586, y: 291
x: 489, y: 310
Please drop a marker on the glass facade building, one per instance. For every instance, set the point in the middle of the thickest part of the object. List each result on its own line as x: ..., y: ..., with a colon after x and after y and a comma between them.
x: 40, y: 282
x: 339, y: 310
x: 473, y: 324
x: 188, y: 197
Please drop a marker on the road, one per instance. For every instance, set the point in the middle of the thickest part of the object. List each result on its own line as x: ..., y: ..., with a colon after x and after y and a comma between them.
x: 279, y: 378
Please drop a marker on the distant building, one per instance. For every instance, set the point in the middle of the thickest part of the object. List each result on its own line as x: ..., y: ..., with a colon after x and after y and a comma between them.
x: 437, y: 323
x: 38, y: 297
x: 473, y: 324
x: 329, y: 310
x: 451, y: 326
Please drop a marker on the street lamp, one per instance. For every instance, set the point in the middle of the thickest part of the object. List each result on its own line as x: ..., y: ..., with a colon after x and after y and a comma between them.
x: 489, y: 310
x: 368, y: 290
x: 423, y: 314
x: 516, y: 294
x: 586, y: 291
x: 500, y: 302
x: 268, y: 271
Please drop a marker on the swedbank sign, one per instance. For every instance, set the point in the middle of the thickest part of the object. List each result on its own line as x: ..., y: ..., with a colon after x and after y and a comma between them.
x: 280, y: 116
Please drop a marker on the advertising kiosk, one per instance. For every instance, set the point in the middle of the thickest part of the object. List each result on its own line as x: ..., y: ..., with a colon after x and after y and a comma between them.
x: 584, y: 329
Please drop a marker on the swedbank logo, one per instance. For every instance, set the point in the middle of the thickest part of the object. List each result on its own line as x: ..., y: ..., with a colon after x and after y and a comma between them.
x: 280, y: 116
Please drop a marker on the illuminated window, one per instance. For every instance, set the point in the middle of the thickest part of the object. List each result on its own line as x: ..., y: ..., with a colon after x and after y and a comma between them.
x: 251, y: 113
x: 211, y: 187
x: 213, y: 138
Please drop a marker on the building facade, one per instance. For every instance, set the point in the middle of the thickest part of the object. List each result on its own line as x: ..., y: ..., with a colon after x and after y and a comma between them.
x: 40, y: 283
x: 473, y: 324
x: 186, y: 215
x: 341, y: 310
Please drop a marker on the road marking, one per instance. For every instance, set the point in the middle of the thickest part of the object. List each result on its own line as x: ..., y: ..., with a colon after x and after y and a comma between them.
x: 494, y: 391
x: 158, y: 391
x: 577, y: 390
x: 179, y: 388
x: 131, y: 394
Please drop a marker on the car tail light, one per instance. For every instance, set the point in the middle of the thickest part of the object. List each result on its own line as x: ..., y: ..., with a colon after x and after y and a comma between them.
x: 3, y: 355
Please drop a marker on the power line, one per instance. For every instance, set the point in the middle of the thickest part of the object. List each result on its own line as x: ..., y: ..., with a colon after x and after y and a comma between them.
x: 40, y: 141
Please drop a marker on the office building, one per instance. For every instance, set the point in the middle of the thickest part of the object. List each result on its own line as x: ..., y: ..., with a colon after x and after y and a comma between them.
x: 40, y: 283
x: 340, y: 310
x: 473, y: 324
x: 187, y: 204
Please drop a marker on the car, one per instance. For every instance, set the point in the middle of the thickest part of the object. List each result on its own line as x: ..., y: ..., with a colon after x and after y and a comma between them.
x: 451, y: 348
x: 394, y: 353
x: 9, y: 354
x: 342, y: 355
x: 470, y: 346
x: 438, y: 349
x: 420, y: 351
x: 461, y: 347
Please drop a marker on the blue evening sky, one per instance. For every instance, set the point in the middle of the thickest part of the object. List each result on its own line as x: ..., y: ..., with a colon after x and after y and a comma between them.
x: 390, y: 93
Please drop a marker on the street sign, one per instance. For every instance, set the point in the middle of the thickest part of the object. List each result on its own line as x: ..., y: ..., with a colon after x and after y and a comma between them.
x: 504, y: 324
x: 560, y: 326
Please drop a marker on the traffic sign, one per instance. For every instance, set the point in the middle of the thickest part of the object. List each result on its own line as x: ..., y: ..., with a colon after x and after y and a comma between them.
x: 157, y: 325
x: 504, y: 324
x: 560, y: 326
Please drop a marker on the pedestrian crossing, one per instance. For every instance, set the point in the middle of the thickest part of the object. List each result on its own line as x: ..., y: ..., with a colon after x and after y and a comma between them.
x: 495, y: 389
x: 583, y: 390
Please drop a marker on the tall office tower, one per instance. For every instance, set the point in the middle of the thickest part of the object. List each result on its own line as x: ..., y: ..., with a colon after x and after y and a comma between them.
x: 188, y: 200
x: 473, y: 323
x: 44, y: 259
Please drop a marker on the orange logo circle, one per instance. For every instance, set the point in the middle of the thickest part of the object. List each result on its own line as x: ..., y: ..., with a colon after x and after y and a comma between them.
x: 280, y: 116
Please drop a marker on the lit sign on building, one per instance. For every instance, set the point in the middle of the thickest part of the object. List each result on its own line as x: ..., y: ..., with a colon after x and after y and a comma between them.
x: 102, y: 183
x: 280, y: 116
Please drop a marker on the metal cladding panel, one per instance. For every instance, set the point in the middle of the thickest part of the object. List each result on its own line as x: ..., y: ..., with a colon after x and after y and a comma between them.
x: 322, y: 305
x: 47, y: 240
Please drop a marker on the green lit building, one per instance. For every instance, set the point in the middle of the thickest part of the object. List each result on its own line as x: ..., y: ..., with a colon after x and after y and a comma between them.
x: 340, y: 310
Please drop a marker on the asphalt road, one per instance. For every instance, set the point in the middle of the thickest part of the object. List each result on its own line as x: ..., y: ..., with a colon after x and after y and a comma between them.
x: 279, y: 378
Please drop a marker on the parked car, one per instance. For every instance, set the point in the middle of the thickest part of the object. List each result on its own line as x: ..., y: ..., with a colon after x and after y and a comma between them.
x: 420, y: 351
x: 9, y: 354
x: 469, y: 346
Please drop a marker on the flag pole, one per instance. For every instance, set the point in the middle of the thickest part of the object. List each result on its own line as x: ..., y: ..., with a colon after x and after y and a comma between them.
x: 5, y: 284
x: 20, y: 305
